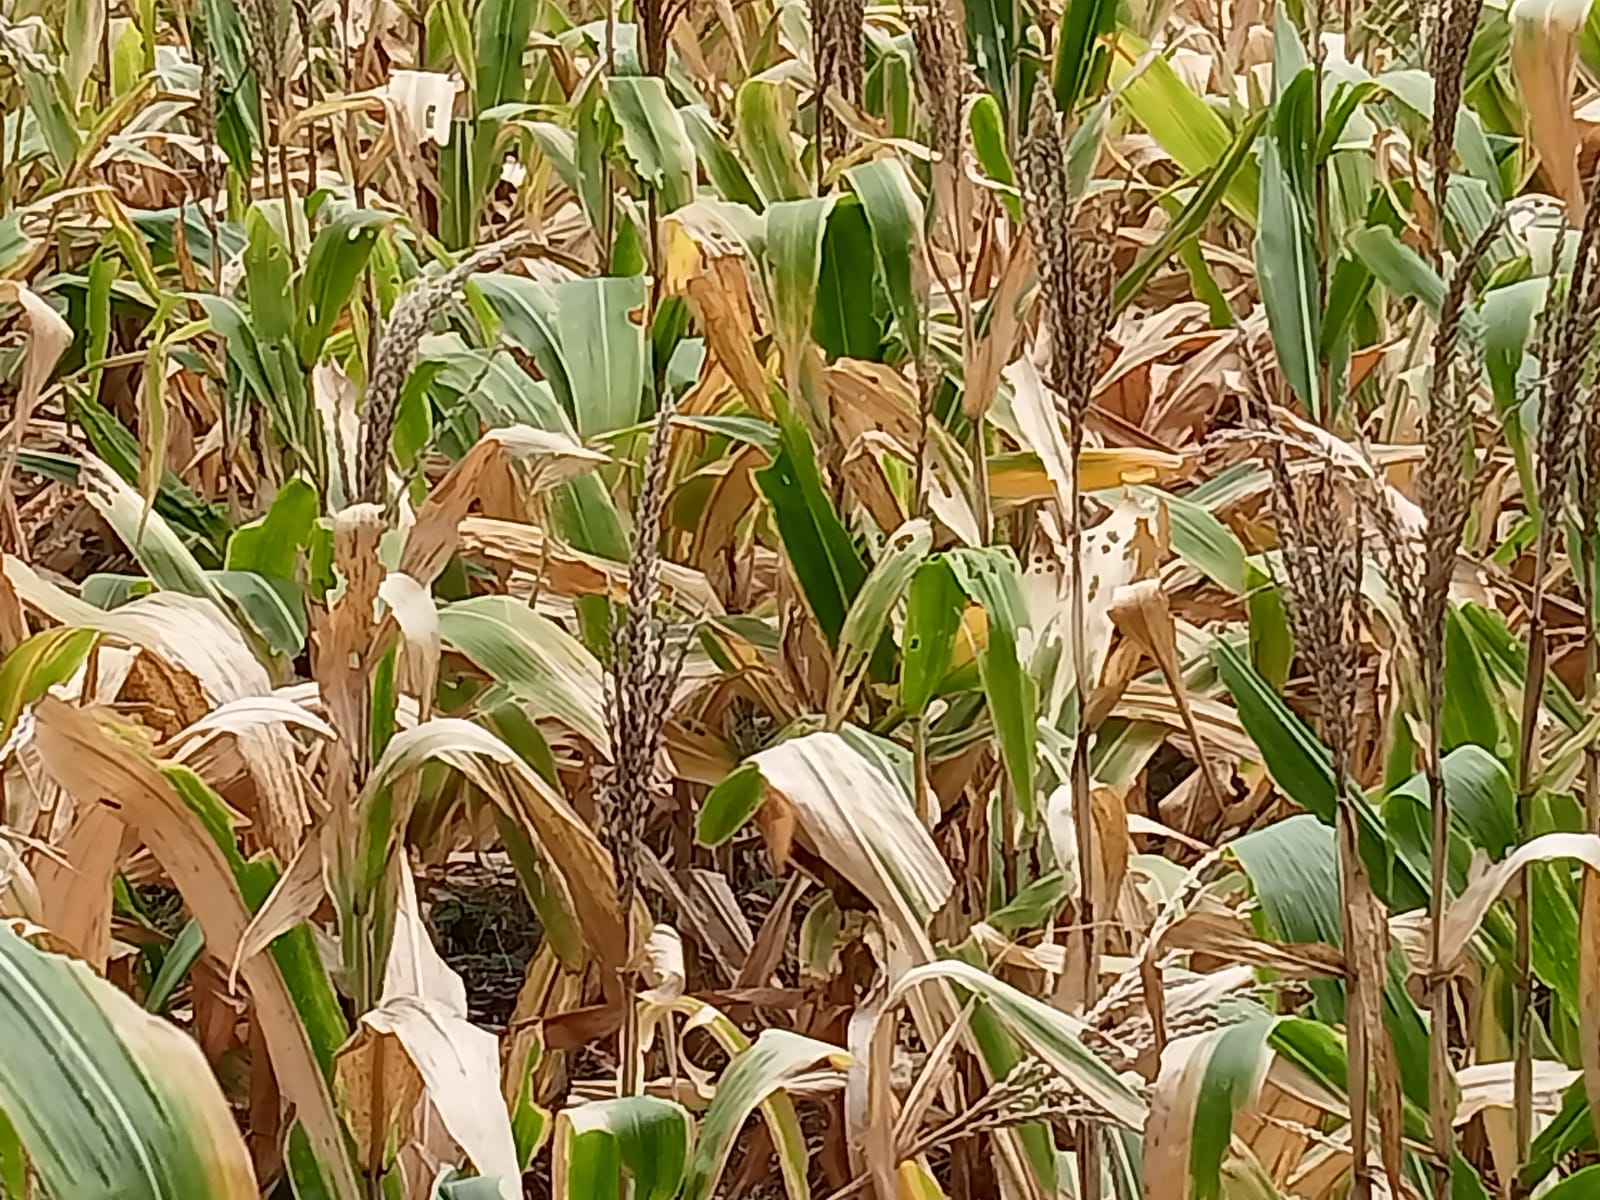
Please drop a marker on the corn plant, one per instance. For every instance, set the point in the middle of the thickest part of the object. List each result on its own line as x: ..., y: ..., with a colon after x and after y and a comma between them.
x: 1003, y: 596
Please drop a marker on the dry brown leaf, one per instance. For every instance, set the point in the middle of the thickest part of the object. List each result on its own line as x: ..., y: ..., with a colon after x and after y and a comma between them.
x: 871, y: 397
x: 732, y: 498
x: 865, y: 473
x: 196, y: 662
x: 417, y: 673
x: 568, y: 572
x: 1490, y: 1085
x: 1227, y: 935
x: 48, y: 337
x: 1016, y: 479
x: 1038, y: 416
x: 863, y: 825
x: 89, y: 757
x: 430, y: 1057
x: 706, y: 264
x: 551, y: 458
x: 1141, y: 611
x: 293, y: 898
x: 1544, y: 57
x: 19, y: 893
x: 1173, y: 1101
x: 772, y: 939
x: 342, y: 651
x: 1466, y: 912
x: 999, y: 340
x: 1218, y: 723
x: 75, y: 895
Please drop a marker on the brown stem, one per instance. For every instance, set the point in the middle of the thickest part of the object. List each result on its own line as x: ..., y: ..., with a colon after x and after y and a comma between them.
x: 1532, y: 694
x: 980, y: 480
x: 5, y: 188
x: 1082, y: 802
x: 683, y: 836
x: 1589, y: 897
x: 375, y: 1110
x: 1441, y: 1098
x: 1357, y: 997
x: 285, y: 184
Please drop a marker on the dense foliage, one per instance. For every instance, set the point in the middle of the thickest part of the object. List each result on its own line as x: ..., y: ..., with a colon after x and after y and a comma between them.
x: 1005, y: 596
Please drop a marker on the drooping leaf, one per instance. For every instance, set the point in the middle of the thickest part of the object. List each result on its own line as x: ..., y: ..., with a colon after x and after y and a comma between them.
x: 750, y: 1078
x: 41, y: 662
x: 795, y: 231
x: 109, y: 1100
x: 646, y: 1137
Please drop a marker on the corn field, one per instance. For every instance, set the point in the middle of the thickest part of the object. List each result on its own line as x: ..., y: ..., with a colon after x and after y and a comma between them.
x: 689, y: 599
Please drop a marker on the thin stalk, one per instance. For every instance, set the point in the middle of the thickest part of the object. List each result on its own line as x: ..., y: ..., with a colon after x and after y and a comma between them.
x: 628, y: 1081
x: 683, y: 835
x: 1082, y: 801
x: 1319, y: 179
x: 5, y: 181
x: 979, y: 451
x: 608, y: 193
x: 1589, y: 896
x: 1444, y: 499
x: 963, y: 296
x: 919, y: 474
x: 1591, y: 669
x: 919, y: 768
x: 1532, y: 693
x: 286, y: 184
x: 819, y: 116
x: 15, y: 159
x: 1439, y: 1070
x: 1357, y: 993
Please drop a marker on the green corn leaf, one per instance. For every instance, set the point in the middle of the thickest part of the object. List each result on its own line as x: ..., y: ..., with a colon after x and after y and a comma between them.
x: 38, y: 664
x: 934, y: 602
x: 109, y: 1100
x: 1286, y: 251
x: 820, y: 552
x: 333, y: 268
x: 647, y: 1138
x: 1182, y: 123
x: 1194, y: 215
x: 992, y: 577
x: 895, y: 215
x: 503, y: 28
x: 1080, y: 57
x: 753, y: 1075
x: 869, y: 612
x: 654, y: 136
x: 795, y: 232
x: 763, y: 118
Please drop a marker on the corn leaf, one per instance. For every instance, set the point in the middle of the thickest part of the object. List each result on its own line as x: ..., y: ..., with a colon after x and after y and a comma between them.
x: 106, y: 1099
